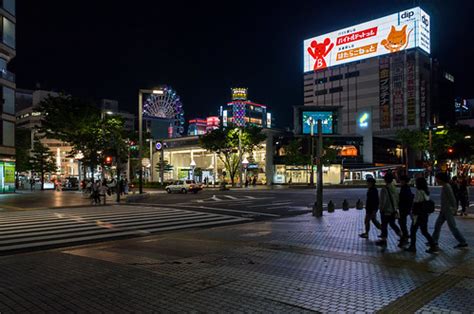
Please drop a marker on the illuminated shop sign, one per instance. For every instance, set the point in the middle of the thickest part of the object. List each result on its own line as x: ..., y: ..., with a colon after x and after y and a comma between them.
x: 310, y: 121
x: 239, y: 93
x: 403, y: 30
x: 364, y: 120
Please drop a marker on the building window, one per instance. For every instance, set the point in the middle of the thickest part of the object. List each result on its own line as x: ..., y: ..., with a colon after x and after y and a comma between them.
x: 8, y: 133
x: 320, y: 80
x: 352, y: 74
x: 320, y: 92
x: 9, y: 5
x: 8, y: 32
x: 335, y: 78
x: 335, y: 89
x: 8, y: 100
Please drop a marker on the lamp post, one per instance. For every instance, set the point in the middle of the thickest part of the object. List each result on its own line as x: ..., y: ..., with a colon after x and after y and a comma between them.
x: 240, y: 157
x: 311, y: 177
x: 192, y: 165
x: 102, y: 118
x: 245, y: 164
x: 140, y: 131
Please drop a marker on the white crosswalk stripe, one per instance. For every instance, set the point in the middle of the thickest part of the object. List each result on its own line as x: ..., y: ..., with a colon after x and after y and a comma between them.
x: 62, y: 227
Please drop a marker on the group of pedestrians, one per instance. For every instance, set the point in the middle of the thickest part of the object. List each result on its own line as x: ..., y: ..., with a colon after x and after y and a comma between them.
x: 398, y: 206
x: 98, y: 190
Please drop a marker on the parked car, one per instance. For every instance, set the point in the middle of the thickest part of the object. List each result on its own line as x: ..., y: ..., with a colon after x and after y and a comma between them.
x: 184, y: 186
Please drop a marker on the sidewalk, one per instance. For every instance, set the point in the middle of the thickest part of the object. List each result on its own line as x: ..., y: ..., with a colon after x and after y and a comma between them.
x: 292, y: 265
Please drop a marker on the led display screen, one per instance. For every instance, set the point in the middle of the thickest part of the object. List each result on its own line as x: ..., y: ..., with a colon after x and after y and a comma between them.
x: 399, y: 31
x: 310, y: 120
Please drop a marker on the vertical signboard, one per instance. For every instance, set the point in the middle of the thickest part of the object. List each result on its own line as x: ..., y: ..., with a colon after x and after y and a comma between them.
x: 422, y: 102
x: 398, y: 99
x: 411, y: 92
x: 384, y: 92
x: 9, y: 172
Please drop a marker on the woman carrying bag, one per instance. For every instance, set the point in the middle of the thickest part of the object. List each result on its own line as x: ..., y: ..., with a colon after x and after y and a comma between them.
x: 422, y: 207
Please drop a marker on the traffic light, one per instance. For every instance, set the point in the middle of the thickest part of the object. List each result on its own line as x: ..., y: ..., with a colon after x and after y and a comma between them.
x: 450, y: 150
x: 108, y: 160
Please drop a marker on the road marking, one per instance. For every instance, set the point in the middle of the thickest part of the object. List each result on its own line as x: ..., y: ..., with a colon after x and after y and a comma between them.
x: 250, y: 197
x: 230, y: 210
x: 231, y: 197
x: 263, y: 205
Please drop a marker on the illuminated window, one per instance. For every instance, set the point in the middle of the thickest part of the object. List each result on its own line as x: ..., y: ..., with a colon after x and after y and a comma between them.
x: 8, y: 133
x: 8, y: 33
x: 8, y: 100
x: 9, y: 5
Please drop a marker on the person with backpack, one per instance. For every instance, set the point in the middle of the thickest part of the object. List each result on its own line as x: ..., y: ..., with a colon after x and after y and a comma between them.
x: 371, y: 208
x: 421, y: 211
x: 446, y: 214
x: 388, y: 210
x: 405, y: 202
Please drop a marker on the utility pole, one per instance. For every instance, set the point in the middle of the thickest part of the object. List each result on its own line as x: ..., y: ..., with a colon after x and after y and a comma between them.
x: 151, y: 160
x: 311, y: 145
x: 162, y: 164
x: 140, y: 141
x: 240, y: 157
x: 318, y: 206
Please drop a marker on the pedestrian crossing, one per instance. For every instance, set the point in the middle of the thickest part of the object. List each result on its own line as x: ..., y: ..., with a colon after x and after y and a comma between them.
x: 62, y: 227
x: 230, y: 199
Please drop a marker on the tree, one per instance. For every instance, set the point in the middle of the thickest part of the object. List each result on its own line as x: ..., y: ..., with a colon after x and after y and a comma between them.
x: 23, y: 148
x: 294, y: 155
x: 76, y: 122
x: 42, y: 160
x: 225, y: 142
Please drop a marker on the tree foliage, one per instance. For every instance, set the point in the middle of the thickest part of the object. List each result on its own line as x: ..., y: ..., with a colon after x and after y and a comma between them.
x: 42, y: 160
x: 23, y: 148
x: 225, y: 142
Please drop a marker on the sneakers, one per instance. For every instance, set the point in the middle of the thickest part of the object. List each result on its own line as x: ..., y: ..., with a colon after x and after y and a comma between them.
x: 379, y: 236
x: 364, y: 235
x: 461, y: 245
x: 432, y: 250
x: 382, y: 243
x: 403, y: 242
x: 411, y: 249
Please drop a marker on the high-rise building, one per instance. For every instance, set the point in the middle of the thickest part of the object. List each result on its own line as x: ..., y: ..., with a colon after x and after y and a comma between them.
x: 369, y: 80
x: 243, y: 112
x: 197, y: 126
x: 7, y: 84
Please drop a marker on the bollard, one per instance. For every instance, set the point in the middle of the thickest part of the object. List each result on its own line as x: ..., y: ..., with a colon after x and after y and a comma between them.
x: 345, y: 205
x: 317, y: 212
x: 330, y: 207
x: 359, y: 204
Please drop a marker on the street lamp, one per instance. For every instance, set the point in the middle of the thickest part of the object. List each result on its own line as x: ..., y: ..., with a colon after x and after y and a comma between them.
x: 245, y: 164
x: 140, y: 130
x: 192, y: 165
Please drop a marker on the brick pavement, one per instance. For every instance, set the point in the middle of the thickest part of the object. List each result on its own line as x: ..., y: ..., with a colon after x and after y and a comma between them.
x: 298, y: 264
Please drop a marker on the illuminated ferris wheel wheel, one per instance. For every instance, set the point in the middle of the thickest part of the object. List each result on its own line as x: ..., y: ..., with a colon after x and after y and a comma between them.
x: 165, y: 103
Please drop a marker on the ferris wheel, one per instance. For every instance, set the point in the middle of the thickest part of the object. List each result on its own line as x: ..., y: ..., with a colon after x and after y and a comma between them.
x: 166, y: 105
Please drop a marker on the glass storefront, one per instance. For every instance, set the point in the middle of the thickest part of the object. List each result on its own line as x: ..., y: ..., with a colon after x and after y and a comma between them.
x: 7, y: 177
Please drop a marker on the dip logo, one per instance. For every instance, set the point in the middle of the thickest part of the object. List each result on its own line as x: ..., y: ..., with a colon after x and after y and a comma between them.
x: 424, y: 20
x: 407, y: 15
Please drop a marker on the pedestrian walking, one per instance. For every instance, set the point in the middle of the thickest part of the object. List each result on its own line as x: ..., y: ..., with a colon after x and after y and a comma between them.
x: 254, y: 181
x: 95, y: 196
x: 405, y: 203
x: 125, y: 186
x: 32, y: 184
x: 371, y: 208
x: 420, y: 216
x: 463, y: 196
x: 103, y: 190
x: 446, y: 214
x: 455, y: 187
x: 388, y: 210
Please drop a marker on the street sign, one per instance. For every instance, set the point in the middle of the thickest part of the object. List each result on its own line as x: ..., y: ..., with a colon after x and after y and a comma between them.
x: 159, y: 146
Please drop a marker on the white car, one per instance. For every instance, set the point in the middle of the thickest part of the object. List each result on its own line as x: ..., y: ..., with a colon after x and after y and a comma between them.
x: 184, y: 186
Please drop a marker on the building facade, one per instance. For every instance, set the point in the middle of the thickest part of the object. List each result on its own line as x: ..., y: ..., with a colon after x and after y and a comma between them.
x: 197, y: 126
x: 242, y: 112
x: 7, y: 84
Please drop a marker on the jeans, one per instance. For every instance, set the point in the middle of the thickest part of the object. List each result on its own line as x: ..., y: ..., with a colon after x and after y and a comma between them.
x: 402, y: 221
x: 421, y: 221
x: 389, y: 220
x: 371, y: 215
x: 449, y: 217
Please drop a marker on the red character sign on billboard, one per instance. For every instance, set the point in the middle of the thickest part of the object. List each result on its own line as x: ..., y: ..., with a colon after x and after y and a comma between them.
x: 319, y: 51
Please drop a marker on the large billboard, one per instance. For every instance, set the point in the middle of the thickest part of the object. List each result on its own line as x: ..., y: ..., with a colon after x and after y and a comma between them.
x: 403, y: 30
x: 310, y: 121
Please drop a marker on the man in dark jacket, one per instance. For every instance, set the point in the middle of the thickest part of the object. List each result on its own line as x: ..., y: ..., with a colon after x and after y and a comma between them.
x: 371, y: 207
x: 405, y: 203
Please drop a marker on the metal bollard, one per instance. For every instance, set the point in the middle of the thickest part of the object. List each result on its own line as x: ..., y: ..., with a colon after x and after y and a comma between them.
x: 345, y: 205
x: 359, y: 204
x: 317, y: 212
x: 331, y: 207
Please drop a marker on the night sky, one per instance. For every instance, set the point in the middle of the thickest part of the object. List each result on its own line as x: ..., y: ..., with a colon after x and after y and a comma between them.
x: 110, y: 49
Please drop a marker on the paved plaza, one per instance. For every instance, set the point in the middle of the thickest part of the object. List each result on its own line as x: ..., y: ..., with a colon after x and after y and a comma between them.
x: 288, y: 265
